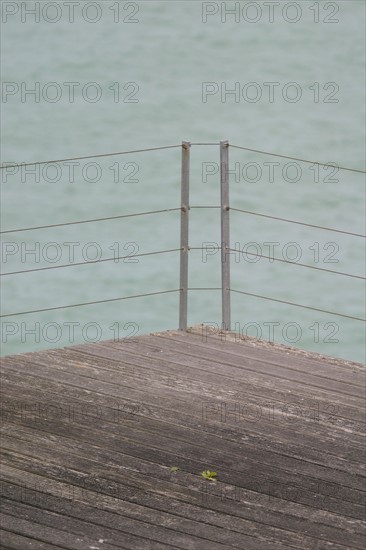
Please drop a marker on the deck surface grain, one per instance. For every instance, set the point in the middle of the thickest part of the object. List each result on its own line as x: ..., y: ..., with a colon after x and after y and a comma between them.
x: 90, y: 433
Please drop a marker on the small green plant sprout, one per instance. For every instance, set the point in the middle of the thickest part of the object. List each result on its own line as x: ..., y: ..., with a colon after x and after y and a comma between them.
x: 207, y: 474
x: 174, y: 469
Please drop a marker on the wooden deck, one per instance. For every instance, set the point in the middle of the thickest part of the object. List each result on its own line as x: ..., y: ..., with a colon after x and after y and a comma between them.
x: 90, y: 434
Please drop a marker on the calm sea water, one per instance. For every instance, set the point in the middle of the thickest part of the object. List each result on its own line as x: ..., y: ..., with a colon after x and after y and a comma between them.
x: 149, y: 74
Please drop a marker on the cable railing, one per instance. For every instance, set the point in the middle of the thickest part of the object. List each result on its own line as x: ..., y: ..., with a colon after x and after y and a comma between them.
x: 102, y: 155
x: 89, y: 262
x: 227, y: 289
x: 90, y: 221
x: 274, y: 259
x: 298, y: 223
x: 184, y: 249
x: 299, y: 305
x: 297, y: 159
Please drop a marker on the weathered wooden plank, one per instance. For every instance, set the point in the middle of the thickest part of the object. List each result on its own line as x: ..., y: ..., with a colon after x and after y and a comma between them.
x: 279, y: 352
x: 256, y: 446
x: 349, y: 373
x: 250, y: 386
x: 113, y: 530
x: 329, y: 496
x: 96, y: 402
x: 300, y: 481
x: 90, y: 421
x: 122, y: 503
x: 282, y: 489
x: 140, y: 442
x: 176, y: 531
x: 289, y: 366
x: 179, y: 386
x: 281, y: 498
x: 251, y: 383
x: 29, y: 529
x: 12, y: 541
x: 231, y: 354
x: 83, y: 371
x: 343, y: 442
x: 151, y: 354
x: 40, y: 407
x: 295, y: 532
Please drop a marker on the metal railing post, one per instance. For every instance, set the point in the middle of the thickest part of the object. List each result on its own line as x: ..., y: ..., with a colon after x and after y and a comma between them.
x: 225, y: 235
x: 184, y: 219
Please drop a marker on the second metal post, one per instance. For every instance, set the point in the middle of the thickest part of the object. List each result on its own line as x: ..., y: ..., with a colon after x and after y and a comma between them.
x: 184, y: 219
x: 225, y: 235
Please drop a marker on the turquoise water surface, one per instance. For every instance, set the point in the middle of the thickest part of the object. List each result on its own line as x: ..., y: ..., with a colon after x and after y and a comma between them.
x: 120, y: 76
